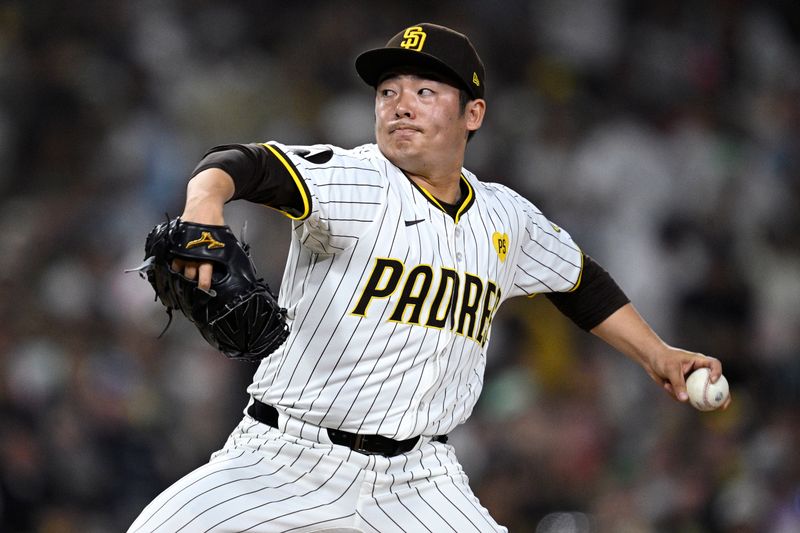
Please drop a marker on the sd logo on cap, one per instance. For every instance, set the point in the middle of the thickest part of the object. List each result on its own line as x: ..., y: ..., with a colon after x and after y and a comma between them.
x: 428, y: 46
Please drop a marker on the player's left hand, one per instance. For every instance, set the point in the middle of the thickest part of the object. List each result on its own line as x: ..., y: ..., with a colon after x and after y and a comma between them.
x: 206, y: 195
x: 239, y: 315
x: 671, y: 366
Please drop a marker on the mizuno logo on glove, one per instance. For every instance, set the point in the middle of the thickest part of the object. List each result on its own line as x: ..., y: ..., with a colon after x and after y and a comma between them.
x: 205, y: 238
x: 239, y: 315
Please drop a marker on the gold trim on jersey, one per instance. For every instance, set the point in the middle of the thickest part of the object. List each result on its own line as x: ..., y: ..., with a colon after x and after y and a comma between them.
x: 574, y: 287
x: 580, y: 275
x: 468, y: 200
x: 298, y: 181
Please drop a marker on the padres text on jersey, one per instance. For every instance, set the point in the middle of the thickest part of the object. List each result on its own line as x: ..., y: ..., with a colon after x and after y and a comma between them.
x: 406, y: 293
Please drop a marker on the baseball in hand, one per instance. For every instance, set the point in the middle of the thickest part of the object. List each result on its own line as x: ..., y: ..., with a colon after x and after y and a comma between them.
x: 703, y: 394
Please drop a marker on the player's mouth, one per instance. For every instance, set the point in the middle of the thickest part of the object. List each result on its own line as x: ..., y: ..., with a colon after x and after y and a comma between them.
x: 405, y: 129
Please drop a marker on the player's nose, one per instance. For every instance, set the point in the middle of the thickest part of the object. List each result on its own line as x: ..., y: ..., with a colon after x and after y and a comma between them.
x: 404, y: 105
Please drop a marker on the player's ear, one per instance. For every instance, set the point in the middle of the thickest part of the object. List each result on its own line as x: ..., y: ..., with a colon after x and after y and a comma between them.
x: 475, y: 111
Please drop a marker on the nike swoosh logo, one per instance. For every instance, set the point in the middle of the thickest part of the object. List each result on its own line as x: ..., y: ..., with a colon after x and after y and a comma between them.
x: 412, y: 222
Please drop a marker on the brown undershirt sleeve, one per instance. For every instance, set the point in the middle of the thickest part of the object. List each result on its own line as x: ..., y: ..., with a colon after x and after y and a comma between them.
x: 595, y: 299
x: 261, y: 174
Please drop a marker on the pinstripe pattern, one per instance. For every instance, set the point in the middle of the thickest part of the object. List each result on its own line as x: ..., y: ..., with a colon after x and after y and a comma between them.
x: 370, y: 374
x: 390, y: 302
x: 267, y: 480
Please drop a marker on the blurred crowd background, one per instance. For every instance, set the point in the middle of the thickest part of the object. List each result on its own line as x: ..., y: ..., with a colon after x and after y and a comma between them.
x: 663, y: 135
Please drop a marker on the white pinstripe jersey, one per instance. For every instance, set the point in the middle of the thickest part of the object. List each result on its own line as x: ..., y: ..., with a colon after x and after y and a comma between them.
x: 390, y: 299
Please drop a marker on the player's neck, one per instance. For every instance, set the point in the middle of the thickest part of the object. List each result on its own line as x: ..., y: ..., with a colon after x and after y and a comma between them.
x: 444, y: 188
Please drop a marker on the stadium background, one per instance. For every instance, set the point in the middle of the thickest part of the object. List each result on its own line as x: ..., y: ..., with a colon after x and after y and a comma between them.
x: 664, y: 135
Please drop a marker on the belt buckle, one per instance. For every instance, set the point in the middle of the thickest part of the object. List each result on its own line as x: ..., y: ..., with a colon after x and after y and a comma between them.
x: 358, y: 446
x: 358, y: 443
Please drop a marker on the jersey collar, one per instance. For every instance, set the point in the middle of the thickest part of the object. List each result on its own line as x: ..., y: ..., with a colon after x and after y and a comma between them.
x: 453, y: 210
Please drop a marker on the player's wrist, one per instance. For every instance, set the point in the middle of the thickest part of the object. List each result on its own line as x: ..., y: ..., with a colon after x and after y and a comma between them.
x: 206, y: 195
x: 202, y: 211
x: 212, y: 185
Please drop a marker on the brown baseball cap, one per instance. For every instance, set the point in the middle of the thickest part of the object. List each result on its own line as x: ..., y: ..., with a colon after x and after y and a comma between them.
x: 429, y: 46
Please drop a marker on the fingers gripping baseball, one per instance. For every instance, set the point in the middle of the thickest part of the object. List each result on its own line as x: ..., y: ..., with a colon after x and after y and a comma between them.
x: 673, y: 366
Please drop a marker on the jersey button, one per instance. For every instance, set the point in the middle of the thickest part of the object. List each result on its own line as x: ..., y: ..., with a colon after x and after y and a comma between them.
x: 459, y: 257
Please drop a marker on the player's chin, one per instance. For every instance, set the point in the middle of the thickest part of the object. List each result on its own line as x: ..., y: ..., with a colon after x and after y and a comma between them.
x: 398, y: 138
x: 397, y: 150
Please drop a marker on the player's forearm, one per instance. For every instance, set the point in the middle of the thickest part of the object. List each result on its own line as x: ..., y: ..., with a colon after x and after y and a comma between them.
x: 627, y: 331
x: 206, y: 195
x: 260, y: 173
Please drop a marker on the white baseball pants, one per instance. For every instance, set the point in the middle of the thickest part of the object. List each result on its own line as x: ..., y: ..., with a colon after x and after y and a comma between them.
x: 266, y: 480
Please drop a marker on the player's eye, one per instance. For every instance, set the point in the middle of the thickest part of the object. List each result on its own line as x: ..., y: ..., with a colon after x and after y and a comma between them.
x: 386, y: 92
x: 425, y: 91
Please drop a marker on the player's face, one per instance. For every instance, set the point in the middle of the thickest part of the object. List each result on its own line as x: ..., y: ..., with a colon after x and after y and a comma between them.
x: 420, y: 125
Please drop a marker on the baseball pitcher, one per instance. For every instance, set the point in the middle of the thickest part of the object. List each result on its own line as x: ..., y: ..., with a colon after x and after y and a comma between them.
x: 376, y: 346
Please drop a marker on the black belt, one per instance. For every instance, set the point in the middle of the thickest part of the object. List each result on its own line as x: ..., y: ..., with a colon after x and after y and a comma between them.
x: 368, y: 444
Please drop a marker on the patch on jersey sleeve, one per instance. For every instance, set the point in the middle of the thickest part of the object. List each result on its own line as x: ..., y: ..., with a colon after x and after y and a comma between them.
x: 316, y: 156
x: 500, y: 241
